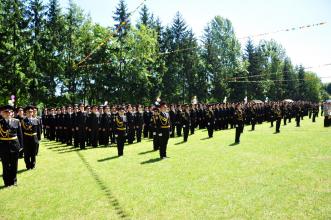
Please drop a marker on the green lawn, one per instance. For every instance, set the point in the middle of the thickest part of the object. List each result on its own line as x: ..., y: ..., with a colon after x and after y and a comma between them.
x: 267, y: 176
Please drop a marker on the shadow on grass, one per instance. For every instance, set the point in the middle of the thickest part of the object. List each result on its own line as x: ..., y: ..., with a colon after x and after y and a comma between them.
x: 108, y: 158
x: 205, y: 138
x: 18, y: 172
x: 146, y: 152
x: 2, y: 187
x: 111, y: 198
x: 151, y: 161
x: 179, y: 143
x: 234, y: 144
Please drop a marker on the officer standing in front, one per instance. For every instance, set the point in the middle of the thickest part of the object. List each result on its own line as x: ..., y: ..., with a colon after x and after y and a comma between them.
x: 120, y: 125
x: 11, y: 142
x: 163, y: 130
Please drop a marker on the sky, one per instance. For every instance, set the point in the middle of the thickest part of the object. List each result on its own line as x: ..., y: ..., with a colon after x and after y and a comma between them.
x: 310, y: 47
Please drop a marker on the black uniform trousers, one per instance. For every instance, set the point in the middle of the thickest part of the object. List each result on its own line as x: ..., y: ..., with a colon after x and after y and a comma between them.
x: 172, y: 128
x: 179, y: 130
x: 193, y: 125
x: 94, y: 137
x: 104, y: 137
x: 253, y: 122
x: 146, y: 128
x: 9, y: 160
x: 30, y: 150
x: 163, y: 141
x: 210, y: 128
x: 186, y: 129
x: 139, y: 130
x: 80, y: 137
x: 239, y: 130
x: 69, y: 137
x: 120, y: 142
x: 297, y: 119
x: 130, y: 135
x: 278, y: 122
x: 156, y: 143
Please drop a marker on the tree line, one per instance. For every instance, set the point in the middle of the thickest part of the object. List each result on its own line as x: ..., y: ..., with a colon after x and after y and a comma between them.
x: 52, y: 56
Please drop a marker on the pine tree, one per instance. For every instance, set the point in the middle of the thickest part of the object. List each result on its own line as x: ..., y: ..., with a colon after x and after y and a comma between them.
x: 122, y: 18
x: 289, y: 79
x: 37, y: 41
x: 14, y: 54
x: 301, y: 83
x: 221, y: 56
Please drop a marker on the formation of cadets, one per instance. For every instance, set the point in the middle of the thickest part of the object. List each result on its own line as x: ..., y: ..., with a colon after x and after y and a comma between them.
x: 82, y: 126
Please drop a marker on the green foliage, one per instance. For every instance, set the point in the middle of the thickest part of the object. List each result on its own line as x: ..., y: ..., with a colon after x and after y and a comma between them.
x: 51, y: 56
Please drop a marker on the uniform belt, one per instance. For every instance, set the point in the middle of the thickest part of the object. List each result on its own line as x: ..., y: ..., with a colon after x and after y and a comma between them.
x: 30, y: 134
x: 121, y: 129
x: 8, y: 139
x: 165, y: 126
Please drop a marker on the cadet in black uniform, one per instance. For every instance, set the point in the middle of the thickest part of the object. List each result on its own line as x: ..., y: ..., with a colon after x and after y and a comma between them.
x: 298, y: 114
x: 153, y: 128
x: 278, y: 116
x: 193, y: 118
x: 252, y: 113
x: 147, y: 120
x: 120, y: 125
x: 105, y: 122
x: 163, y: 130
x: 11, y: 142
x: 139, y: 122
x: 179, y: 120
x: 186, y: 121
x: 31, y: 137
x: 130, y: 124
x: 87, y: 130
x: 315, y: 112
x: 44, y: 121
x: 20, y: 116
x: 210, y: 119
x: 239, y: 122
x: 93, y: 124
x: 52, y: 124
x: 69, y: 125
x: 112, y: 125
x: 80, y: 127
x: 172, y: 115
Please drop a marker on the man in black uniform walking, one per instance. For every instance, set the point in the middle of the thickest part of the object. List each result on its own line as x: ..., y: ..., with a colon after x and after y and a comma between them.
x: 11, y: 142
x: 31, y: 137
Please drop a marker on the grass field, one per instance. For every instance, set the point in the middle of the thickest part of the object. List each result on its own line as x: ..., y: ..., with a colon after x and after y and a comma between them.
x: 267, y: 176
